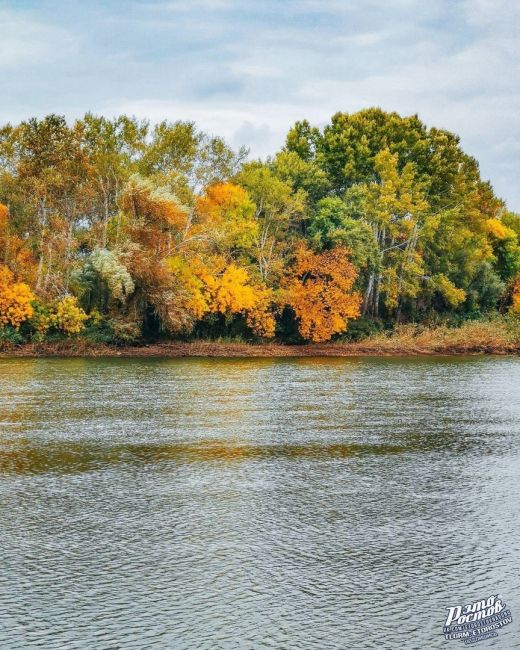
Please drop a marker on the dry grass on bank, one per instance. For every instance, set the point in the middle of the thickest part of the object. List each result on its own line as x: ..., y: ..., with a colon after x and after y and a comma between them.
x: 494, y: 336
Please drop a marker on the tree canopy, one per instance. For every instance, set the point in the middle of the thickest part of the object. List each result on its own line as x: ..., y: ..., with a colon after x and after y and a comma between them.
x: 117, y: 229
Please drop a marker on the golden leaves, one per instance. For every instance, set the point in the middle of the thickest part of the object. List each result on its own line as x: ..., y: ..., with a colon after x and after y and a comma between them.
x: 228, y: 289
x: 320, y: 293
x: 515, y: 297
x: 498, y: 230
x: 68, y: 316
x: 15, y: 300
x: 226, y: 211
x: 452, y: 294
x: 4, y: 214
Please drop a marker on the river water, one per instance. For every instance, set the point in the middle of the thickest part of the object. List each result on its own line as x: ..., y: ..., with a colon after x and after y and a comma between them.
x: 256, y: 503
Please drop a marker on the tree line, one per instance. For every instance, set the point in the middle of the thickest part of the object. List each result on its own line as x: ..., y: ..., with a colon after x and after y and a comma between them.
x: 117, y: 230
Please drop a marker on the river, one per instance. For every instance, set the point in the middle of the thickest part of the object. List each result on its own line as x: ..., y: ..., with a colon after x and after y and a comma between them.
x: 256, y: 503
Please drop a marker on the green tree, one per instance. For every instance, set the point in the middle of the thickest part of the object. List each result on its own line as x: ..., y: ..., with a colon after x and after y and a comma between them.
x: 332, y: 224
x: 279, y: 213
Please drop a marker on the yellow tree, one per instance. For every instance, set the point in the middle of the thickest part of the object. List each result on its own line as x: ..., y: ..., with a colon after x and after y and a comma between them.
x: 319, y: 290
x: 15, y: 300
x: 226, y: 214
x: 227, y: 224
x: 228, y: 289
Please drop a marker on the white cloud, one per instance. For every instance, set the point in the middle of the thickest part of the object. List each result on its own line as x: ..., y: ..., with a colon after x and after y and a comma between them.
x: 248, y: 70
x: 26, y: 41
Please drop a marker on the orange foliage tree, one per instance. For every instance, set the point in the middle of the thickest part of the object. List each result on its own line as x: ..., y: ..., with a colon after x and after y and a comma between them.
x: 154, y: 224
x: 515, y: 297
x: 14, y: 251
x: 319, y: 290
x: 15, y: 300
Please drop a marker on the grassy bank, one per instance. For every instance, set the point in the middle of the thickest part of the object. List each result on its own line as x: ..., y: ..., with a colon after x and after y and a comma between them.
x: 496, y: 336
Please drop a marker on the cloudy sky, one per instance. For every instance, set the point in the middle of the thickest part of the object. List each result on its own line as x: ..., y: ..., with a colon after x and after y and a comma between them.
x: 248, y: 69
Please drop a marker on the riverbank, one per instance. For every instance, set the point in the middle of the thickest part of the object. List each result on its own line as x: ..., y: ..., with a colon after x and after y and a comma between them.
x: 475, y: 337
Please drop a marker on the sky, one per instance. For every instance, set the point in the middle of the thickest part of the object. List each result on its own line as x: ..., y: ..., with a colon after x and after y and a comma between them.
x: 247, y: 70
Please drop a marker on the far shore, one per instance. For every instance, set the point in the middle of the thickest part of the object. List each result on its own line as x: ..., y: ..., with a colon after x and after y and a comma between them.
x: 368, y: 347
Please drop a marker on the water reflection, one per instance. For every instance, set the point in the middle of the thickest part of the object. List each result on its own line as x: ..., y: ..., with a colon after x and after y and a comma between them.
x: 77, y: 457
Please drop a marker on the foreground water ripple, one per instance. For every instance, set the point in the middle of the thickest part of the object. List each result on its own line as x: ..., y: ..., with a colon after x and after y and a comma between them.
x: 284, y: 503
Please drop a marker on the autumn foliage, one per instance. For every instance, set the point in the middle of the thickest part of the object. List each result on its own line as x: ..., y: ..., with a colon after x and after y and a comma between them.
x: 320, y: 291
x: 118, y: 231
x: 515, y: 304
x: 15, y: 300
x: 231, y: 291
x: 226, y: 213
x: 68, y: 316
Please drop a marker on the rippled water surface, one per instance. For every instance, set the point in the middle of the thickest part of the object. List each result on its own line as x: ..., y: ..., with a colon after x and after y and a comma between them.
x: 256, y: 503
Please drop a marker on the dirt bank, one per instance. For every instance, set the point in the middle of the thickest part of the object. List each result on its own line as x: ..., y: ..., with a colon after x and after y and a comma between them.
x: 376, y: 346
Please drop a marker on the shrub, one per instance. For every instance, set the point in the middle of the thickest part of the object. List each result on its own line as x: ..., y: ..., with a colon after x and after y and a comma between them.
x: 68, y: 317
x: 15, y: 300
x: 361, y: 328
x: 10, y: 336
x: 125, y: 332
